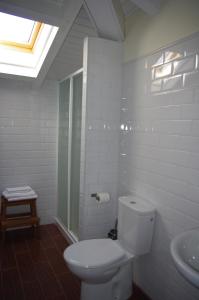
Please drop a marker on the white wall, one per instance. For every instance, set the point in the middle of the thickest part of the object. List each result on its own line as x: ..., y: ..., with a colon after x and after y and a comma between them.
x: 100, y: 148
x: 159, y: 157
x: 144, y: 34
x: 28, y: 141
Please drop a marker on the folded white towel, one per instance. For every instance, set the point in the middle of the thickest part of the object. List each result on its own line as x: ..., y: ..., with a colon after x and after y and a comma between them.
x: 21, y: 198
x: 19, y: 189
x: 22, y: 195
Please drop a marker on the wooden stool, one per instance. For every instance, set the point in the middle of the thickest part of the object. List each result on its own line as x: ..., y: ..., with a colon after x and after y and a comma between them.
x: 19, y: 219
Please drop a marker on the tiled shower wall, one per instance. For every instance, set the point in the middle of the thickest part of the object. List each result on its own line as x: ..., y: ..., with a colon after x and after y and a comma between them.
x: 159, y: 156
x: 101, y: 110
x: 28, y: 139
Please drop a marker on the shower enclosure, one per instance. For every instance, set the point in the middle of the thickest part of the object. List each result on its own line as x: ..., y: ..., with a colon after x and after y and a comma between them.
x: 69, y: 148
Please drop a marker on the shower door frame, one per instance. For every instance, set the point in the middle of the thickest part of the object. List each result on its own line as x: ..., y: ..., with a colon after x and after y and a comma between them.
x: 67, y: 230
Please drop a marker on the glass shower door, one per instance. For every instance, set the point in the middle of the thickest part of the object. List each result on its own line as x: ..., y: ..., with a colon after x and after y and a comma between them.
x: 69, y: 149
x: 75, y: 153
x: 63, y: 142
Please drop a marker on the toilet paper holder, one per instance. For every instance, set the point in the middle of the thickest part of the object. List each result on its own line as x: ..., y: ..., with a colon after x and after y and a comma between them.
x: 95, y: 195
x: 101, y: 197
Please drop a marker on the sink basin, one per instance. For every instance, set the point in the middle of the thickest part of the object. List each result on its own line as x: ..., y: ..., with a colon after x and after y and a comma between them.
x: 185, y: 253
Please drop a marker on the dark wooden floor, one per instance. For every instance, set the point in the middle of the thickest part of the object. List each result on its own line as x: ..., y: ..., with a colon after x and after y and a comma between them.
x: 33, y: 268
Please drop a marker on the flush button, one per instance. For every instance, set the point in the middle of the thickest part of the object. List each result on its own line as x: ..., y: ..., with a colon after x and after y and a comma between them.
x: 132, y: 202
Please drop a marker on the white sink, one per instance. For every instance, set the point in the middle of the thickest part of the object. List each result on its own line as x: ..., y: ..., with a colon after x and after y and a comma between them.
x: 185, y: 253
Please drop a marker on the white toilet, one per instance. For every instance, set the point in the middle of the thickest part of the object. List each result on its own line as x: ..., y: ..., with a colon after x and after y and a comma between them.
x: 105, y: 266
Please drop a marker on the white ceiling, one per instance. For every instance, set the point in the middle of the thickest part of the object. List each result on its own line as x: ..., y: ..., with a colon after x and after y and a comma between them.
x: 150, y: 7
x: 70, y: 56
x: 128, y: 7
x: 107, y: 17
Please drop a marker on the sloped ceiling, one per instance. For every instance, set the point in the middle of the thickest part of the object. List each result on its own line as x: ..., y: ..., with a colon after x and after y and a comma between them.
x: 150, y: 7
x: 70, y: 56
x: 61, y: 13
x: 66, y: 54
x: 128, y: 7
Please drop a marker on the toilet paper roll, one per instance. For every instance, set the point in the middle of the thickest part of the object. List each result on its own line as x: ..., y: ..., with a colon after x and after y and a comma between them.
x: 103, y: 197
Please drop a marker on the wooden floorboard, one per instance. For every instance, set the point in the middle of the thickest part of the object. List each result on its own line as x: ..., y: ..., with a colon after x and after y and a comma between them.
x: 33, y: 268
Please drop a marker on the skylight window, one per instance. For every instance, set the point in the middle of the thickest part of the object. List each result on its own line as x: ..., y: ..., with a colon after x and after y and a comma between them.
x: 24, y: 45
x: 18, y: 32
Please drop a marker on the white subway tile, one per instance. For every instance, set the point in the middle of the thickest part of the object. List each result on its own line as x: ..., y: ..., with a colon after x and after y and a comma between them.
x: 156, y: 86
x: 155, y: 60
x: 172, y: 83
x: 173, y: 53
x: 163, y: 70
x: 190, y: 111
x: 181, y: 127
x: 185, y: 65
x: 182, y: 97
x: 191, y: 79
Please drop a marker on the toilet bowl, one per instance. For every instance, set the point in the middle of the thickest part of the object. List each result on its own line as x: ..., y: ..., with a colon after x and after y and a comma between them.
x: 105, y: 266
x: 96, y: 261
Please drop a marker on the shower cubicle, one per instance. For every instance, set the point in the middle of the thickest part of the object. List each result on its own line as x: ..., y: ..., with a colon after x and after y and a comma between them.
x: 69, y: 149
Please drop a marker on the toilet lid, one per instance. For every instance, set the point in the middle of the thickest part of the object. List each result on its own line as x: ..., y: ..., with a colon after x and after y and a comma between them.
x: 94, y: 253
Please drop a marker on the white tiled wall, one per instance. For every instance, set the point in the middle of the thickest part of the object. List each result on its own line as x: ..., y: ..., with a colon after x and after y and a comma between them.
x: 101, y: 105
x: 28, y: 139
x: 159, y: 156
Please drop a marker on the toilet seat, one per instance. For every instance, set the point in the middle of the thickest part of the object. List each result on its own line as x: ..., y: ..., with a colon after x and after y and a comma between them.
x: 95, y: 261
x: 95, y: 253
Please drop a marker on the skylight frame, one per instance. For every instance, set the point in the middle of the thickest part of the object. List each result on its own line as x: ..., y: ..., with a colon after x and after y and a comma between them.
x: 23, y: 62
x: 25, y: 46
